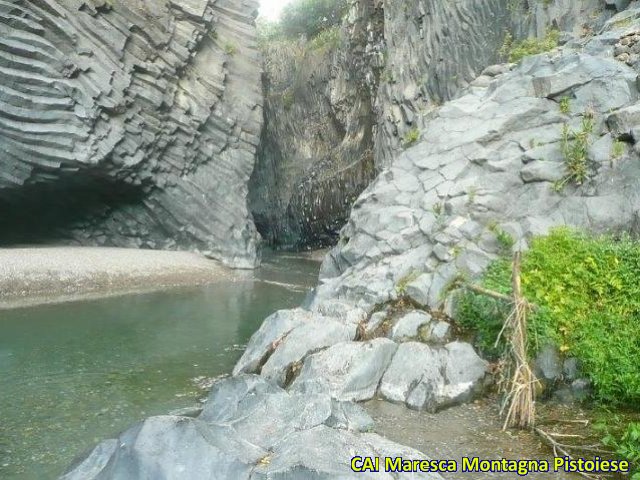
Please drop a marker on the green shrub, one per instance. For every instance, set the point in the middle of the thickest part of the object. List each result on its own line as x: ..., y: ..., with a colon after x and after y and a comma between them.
x: 627, y: 447
x: 516, y: 51
x: 565, y: 105
x: 588, y: 293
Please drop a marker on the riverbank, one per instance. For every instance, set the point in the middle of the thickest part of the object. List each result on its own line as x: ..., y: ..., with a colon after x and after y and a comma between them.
x: 32, y: 276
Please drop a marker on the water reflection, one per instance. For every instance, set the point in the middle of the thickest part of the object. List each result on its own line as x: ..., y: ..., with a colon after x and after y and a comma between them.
x: 73, y: 374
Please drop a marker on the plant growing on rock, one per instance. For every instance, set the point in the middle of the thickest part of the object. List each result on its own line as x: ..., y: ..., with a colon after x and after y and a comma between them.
x: 575, y: 150
x: 516, y: 51
x: 328, y: 39
x: 617, y: 150
x: 411, y: 137
x: 230, y: 48
x: 565, y: 105
x: 505, y: 240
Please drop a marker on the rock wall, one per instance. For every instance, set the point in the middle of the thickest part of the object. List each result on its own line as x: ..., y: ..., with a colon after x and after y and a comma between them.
x: 130, y: 123
x: 336, y: 116
x: 491, y: 162
x: 316, y: 156
x: 433, y: 49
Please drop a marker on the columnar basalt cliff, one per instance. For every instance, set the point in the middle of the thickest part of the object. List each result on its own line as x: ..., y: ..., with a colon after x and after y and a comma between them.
x: 130, y: 123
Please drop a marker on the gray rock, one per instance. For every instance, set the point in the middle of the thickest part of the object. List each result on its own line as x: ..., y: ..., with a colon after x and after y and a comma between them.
x: 375, y: 322
x: 144, y: 132
x: 170, y: 447
x: 409, y: 325
x: 437, y: 332
x: 349, y: 416
x: 543, y: 171
x: 250, y: 428
x: 266, y: 339
x: 303, y: 340
x: 622, y: 122
x: 352, y: 370
x: 570, y: 369
x: 418, y: 289
x: 548, y: 363
x: 428, y: 378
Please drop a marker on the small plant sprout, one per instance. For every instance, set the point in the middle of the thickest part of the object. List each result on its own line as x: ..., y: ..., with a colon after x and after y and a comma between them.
x: 411, y: 137
x: 617, y: 150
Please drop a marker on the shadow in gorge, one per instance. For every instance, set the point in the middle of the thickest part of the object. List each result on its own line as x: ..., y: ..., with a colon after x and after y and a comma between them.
x: 46, y: 212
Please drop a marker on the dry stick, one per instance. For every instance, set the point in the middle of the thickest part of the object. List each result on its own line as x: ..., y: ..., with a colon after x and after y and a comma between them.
x: 521, y: 397
x: 559, y: 447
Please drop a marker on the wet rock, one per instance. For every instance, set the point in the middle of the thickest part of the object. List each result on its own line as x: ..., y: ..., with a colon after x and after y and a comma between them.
x: 428, y: 378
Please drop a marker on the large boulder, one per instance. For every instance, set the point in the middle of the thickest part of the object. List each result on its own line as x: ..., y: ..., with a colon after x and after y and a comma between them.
x: 351, y: 369
x: 287, y: 337
x: 130, y: 124
x: 427, y: 378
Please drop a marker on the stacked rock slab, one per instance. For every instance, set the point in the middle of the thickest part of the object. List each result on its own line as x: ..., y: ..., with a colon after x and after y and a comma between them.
x: 130, y: 124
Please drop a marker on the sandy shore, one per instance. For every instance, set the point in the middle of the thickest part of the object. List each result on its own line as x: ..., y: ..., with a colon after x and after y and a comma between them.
x: 45, y: 275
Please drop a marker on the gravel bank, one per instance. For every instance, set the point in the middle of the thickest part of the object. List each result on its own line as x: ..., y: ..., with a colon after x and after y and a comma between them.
x: 46, y: 275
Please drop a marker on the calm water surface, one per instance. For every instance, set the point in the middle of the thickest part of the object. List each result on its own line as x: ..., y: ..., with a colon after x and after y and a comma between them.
x: 74, y: 374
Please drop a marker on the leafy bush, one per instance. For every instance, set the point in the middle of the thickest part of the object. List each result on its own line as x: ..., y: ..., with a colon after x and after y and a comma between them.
x: 310, y: 17
x: 516, y: 51
x: 588, y: 293
x: 627, y: 447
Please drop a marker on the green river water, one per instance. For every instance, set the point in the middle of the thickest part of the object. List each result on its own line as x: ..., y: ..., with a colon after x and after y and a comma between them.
x: 73, y: 374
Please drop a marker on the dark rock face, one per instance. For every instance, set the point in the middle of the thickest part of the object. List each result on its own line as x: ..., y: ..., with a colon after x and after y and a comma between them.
x: 130, y: 124
x: 316, y: 155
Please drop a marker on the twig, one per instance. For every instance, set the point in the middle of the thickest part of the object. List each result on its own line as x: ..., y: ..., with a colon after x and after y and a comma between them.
x: 559, y: 447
